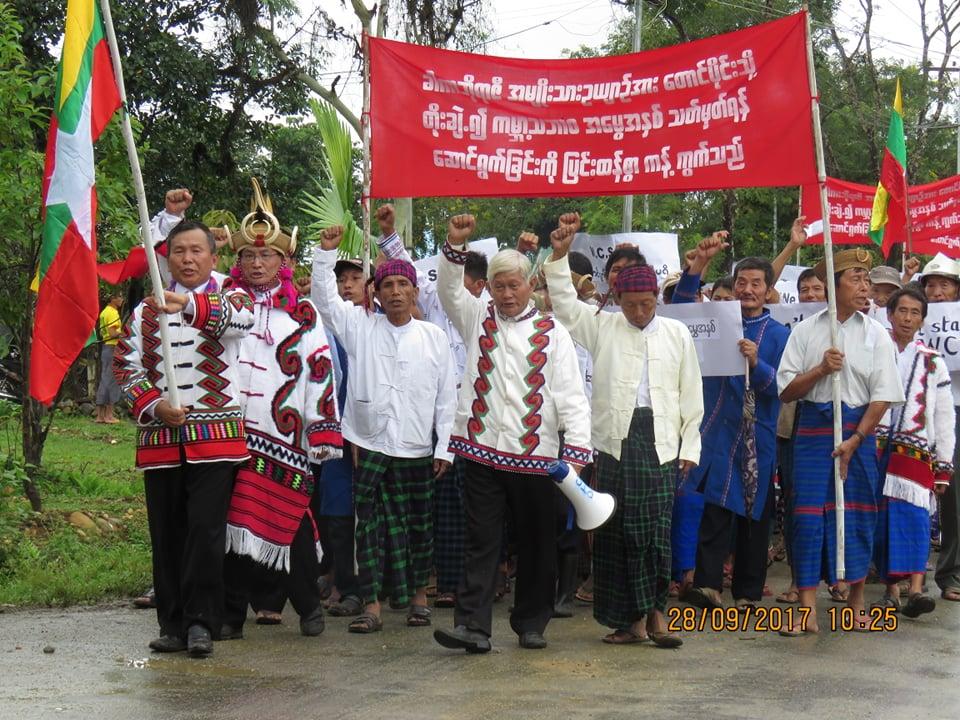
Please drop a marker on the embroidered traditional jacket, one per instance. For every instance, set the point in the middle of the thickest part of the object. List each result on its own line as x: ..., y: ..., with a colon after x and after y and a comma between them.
x: 919, y: 435
x: 286, y: 387
x: 205, y: 340
x: 287, y: 392
x: 521, y: 383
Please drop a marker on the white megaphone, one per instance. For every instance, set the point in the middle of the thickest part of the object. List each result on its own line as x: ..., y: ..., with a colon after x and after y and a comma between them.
x: 593, y: 509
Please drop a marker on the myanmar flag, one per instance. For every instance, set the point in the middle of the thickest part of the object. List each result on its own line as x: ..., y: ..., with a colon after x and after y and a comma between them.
x: 67, y: 301
x: 888, y: 220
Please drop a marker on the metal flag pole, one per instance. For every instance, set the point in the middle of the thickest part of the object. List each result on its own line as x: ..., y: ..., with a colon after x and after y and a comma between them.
x: 831, y: 299
x: 173, y: 393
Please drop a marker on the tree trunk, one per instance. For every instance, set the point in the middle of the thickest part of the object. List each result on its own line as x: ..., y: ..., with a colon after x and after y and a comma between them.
x: 32, y: 413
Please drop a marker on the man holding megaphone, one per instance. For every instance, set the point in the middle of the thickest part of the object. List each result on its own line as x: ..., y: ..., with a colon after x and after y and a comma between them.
x: 647, y: 407
x: 521, y: 387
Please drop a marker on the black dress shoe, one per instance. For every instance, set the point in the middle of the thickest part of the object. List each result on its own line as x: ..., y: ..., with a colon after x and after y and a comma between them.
x: 199, y: 642
x: 231, y: 632
x: 168, y: 644
x: 462, y: 638
x: 313, y: 624
x: 532, y: 641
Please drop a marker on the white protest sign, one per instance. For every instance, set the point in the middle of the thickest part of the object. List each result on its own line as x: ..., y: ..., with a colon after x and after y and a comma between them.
x: 428, y: 265
x: 790, y: 314
x: 716, y: 328
x: 786, y: 285
x: 940, y: 331
x: 660, y: 250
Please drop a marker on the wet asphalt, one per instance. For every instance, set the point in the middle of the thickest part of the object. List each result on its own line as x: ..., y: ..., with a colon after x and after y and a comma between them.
x: 101, y: 668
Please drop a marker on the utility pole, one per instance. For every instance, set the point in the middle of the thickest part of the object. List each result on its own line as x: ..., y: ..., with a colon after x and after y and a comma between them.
x: 637, y: 37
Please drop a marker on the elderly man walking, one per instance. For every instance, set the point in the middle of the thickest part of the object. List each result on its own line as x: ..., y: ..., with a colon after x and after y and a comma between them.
x: 521, y: 387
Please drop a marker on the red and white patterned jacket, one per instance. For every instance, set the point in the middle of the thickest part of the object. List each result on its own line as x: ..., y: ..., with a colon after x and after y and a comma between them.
x: 205, y: 346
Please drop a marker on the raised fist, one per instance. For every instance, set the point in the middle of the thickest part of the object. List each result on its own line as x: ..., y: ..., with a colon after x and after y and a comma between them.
x: 331, y: 237
x: 561, y: 239
x: 528, y: 242
x: 177, y: 201
x: 571, y: 220
x: 460, y: 228
x: 910, y: 268
x: 710, y: 246
x: 221, y: 235
x: 386, y: 219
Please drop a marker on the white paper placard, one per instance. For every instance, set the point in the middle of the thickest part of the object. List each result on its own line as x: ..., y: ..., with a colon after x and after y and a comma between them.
x: 659, y: 248
x: 716, y: 328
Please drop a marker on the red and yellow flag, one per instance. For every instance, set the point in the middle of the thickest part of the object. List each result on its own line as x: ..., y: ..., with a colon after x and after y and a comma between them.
x: 889, y: 216
x: 67, y: 300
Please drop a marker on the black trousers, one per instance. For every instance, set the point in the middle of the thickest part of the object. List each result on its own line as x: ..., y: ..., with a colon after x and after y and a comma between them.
x: 187, y: 514
x: 337, y: 539
x: 750, y: 550
x: 250, y: 581
x: 488, y: 496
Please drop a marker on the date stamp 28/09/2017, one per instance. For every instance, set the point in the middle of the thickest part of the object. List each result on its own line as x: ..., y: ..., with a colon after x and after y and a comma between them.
x: 775, y: 619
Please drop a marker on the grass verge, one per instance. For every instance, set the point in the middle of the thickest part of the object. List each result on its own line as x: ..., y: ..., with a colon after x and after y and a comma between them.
x: 45, y: 559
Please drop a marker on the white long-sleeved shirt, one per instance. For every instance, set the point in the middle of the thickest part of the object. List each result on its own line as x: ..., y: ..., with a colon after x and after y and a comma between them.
x: 521, y: 386
x: 428, y: 301
x: 402, y: 380
x: 869, y: 371
x: 623, y: 356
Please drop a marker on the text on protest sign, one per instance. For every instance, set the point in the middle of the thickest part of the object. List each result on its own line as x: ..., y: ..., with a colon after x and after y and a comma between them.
x: 940, y: 331
x: 715, y: 328
x: 428, y: 265
x: 659, y: 250
x: 790, y: 314
x: 934, y: 215
x: 721, y: 112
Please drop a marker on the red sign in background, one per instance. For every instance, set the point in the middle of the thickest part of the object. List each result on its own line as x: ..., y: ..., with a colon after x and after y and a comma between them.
x: 934, y: 215
x: 722, y: 112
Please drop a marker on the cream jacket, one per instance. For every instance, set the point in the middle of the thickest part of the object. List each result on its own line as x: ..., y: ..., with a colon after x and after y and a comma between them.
x: 618, y: 349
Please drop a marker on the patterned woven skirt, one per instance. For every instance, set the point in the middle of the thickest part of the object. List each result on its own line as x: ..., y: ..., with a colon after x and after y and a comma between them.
x: 902, y: 544
x: 393, y: 498
x: 814, y: 511
x: 631, y: 553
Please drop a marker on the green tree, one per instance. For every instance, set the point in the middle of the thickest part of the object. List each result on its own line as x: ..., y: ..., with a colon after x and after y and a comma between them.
x: 25, y: 99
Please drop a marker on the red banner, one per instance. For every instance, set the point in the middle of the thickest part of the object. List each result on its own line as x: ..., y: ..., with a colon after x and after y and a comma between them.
x: 723, y: 112
x: 934, y: 215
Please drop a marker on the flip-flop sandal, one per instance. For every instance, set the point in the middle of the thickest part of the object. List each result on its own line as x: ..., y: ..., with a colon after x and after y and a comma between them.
x: 665, y: 640
x: 837, y: 595
x: 418, y: 616
x: 147, y: 600
x: 796, y: 631
x: 744, y: 605
x: 365, y: 623
x: 268, y: 617
x: 584, y: 596
x: 789, y: 597
x: 624, y: 637
x: 951, y: 593
x: 917, y: 605
x: 445, y: 600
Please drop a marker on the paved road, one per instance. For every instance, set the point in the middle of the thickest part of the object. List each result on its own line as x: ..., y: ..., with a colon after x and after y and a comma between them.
x: 102, y: 669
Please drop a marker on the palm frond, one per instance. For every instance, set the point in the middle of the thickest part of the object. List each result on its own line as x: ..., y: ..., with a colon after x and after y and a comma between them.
x: 334, y: 201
